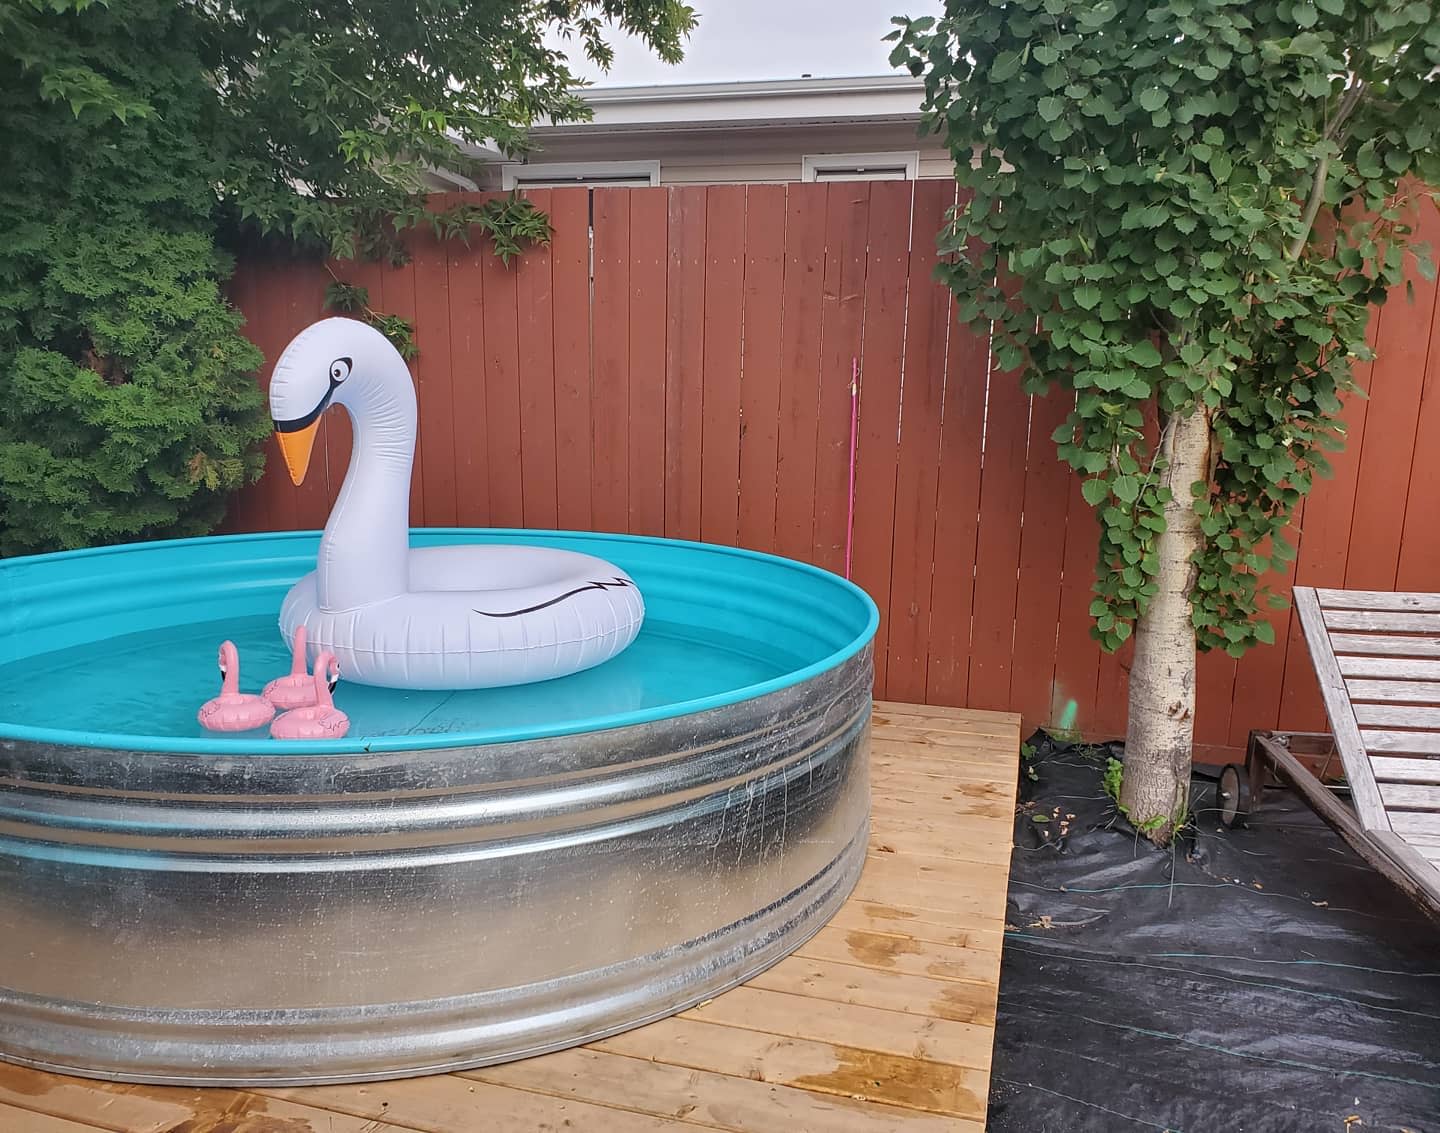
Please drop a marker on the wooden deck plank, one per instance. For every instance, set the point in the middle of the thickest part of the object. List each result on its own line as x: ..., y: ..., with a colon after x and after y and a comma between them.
x: 828, y: 1068
x: 13, y: 1119
x: 882, y: 1021
x: 964, y: 1001
x: 918, y: 924
x: 100, y: 1104
x: 704, y: 1098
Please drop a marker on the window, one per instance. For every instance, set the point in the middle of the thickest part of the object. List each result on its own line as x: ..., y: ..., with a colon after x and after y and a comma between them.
x: 590, y: 173
x: 902, y: 166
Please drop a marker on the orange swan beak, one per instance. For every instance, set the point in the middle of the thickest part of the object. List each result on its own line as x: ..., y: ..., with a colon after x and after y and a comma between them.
x: 296, y: 446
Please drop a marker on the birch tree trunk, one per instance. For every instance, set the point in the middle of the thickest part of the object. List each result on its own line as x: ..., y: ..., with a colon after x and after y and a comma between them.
x: 1159, y: 739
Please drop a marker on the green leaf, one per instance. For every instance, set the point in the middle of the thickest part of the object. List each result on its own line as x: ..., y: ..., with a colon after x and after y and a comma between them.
x: 1126, y: 488
x: 1050, y: 108
x: 1152, y: 99
x: 1088, y: 296
x: 1143, y: 353
x: 1366, y: 163
x: 1005, y: 66
x: 1094, y: 491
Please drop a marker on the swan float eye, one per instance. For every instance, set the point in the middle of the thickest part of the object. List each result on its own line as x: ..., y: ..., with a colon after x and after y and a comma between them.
x: 340, y: 369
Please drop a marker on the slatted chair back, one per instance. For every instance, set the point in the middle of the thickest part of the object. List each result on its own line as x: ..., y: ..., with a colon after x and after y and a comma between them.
x: 1377, y: 658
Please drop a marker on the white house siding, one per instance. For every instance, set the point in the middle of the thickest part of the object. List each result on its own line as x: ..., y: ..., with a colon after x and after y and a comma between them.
x: 744, y: 155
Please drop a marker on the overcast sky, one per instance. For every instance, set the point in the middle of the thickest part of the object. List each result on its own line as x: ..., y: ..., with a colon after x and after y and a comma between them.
x: 768, y: 39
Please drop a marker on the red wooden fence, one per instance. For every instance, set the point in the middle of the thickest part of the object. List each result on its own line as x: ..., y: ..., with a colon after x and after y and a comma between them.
x: 678, y: 363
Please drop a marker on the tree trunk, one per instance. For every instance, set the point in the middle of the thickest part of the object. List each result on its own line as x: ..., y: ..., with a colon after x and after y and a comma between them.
x: 1159, y: 741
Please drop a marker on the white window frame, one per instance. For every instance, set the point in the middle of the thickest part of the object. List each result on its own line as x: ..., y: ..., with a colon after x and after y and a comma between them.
x: 812, y: 165
x: 555, y: 174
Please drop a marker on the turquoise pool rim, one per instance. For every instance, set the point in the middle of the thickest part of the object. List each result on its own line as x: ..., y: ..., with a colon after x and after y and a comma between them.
x: 129, y: 741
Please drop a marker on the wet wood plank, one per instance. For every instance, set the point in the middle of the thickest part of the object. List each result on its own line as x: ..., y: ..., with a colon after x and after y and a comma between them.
x: 882, y: 1022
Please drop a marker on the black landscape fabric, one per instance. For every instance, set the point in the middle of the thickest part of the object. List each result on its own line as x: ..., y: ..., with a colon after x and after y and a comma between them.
x: 1255, y: 979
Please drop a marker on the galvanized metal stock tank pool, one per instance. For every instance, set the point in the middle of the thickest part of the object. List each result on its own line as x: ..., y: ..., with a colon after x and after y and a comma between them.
x: 466, y: 878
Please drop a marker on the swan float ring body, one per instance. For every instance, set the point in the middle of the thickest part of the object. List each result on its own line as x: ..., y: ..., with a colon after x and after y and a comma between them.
x: 451, y: 617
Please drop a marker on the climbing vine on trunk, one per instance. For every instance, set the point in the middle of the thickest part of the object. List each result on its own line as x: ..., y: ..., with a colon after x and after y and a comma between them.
x: 1172, y: 209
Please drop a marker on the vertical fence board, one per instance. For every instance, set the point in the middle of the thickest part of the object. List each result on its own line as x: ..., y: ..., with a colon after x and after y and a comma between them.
x: 1077, y: 654
x: 539, y: 468
x: 684, y: 362
x: 760, y: 363
x: 1002, y: 500
x: 466, y: 309
x: 1214, y: 693
x: 570, y: 294
x: 435, y: 377
x: 800, y: 369
x: 610, y: 498
x: 917, y: 479
x: 1419, y: 566
x: 649, y: 258
x: 847, y: 216
x: 882, y: 356
x: 1042, y: 560
x: 1398, y: 379
x: 724, y: 308
x: 957, y: 521
x: 503, y: 448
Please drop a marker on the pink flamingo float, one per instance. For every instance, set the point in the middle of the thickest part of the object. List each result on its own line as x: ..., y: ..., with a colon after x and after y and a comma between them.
x: 318, y: 721
x: 298, y: 689
x: 233, y: 710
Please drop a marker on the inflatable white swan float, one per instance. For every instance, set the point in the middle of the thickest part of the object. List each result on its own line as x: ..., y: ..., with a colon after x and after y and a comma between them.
x: 435, y: 617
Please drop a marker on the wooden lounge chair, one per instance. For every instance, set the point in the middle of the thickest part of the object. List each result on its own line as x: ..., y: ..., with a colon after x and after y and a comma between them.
x: 1377, y: 657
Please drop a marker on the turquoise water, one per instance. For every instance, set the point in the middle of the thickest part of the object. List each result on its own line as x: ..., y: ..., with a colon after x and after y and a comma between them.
x: 153, y: 683
x: 117, y: 647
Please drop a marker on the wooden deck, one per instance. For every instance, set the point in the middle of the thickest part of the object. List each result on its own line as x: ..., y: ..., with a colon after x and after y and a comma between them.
x: 883, y: 1021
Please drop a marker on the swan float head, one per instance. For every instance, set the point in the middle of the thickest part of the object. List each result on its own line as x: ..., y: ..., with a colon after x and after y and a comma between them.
x: 333, y: 362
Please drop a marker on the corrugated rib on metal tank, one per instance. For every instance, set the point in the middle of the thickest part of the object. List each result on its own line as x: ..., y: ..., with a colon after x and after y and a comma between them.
x: 235, y: 916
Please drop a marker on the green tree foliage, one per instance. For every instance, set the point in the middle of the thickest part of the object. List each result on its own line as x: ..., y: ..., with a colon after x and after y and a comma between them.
x: 141, y: 136
x: 1199, y: 199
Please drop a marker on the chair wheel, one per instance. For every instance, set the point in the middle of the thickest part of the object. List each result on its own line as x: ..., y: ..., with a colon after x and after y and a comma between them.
x: 1232, y: 797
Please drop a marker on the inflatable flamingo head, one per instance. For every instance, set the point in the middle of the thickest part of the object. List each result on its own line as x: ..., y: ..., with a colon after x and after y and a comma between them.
x: 333, y: 362
x: 327, y: 664
x: 229, y: 660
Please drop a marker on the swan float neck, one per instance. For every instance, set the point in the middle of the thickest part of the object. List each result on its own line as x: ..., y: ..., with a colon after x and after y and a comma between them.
x: 348, y: 363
